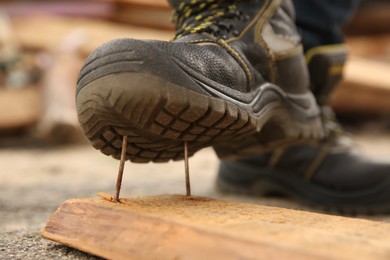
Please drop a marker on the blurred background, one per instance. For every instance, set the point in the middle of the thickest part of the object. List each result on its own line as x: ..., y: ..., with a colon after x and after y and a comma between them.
x: 44, y: 158
x: 43, y: 45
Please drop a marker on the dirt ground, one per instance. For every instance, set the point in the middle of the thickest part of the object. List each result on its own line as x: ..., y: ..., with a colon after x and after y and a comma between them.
x: 35, y: 181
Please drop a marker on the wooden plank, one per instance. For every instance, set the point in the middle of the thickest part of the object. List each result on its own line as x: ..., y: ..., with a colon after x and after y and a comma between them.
x: 20, y: 107
x: 146, y: 13
x: 163, y: 4
x: 178, y: 227
x: 29, y: 31
x: 145, y: 16
x: 371, y: 18
x: 371, y: 47
x: 365, y: 88
x: 69, y: 8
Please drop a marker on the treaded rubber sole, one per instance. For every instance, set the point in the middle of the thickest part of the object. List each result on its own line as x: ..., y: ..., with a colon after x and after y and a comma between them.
x: 158, y: 116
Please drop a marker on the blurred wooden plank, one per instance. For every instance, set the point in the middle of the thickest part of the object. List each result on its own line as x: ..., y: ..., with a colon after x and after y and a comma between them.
x: 144, y: 15
x: 19, y: 108
x: 371, y: 47
x: 31, y: 29
x: 365, y: 88
x: 178, y: 227
x: 371, y: 18
x: 149, y: 13
x: 163, y: 4
x: 70, y: 8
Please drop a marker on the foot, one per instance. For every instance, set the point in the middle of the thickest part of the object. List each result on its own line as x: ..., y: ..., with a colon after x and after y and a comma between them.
x: 235, y: 69
x: 331, y: 174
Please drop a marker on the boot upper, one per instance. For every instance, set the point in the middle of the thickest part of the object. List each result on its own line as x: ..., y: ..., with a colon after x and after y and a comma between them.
x: 247, y: 43
x: 234, y: 47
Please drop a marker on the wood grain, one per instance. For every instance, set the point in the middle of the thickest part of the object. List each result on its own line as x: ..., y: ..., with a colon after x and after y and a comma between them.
x: 178, y: 227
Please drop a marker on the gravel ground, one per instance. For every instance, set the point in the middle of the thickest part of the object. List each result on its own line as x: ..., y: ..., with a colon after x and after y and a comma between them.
x: 35, y: 181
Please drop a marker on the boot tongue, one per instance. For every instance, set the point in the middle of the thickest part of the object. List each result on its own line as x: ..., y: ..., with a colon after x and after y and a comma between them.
x: 325, y: 64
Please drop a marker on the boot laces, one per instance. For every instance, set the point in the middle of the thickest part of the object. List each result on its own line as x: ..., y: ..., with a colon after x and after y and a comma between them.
x: 211, y: 16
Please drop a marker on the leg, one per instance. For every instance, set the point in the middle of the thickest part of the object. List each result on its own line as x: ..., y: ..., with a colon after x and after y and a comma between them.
x: 320, y: 22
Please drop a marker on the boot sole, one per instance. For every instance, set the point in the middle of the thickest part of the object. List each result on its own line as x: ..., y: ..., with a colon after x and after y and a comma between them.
x: 158, y: 116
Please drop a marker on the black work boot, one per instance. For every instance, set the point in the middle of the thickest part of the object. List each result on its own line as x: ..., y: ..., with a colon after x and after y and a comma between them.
x: 330, y: 174
x: 233, y: 67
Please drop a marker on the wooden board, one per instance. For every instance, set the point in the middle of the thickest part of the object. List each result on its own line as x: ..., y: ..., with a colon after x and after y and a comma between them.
x: 145, y: 16
x: 20, y: 108
x: 371, y: 18
x: 370, y: 47
x: 163, y: 4
x: 29, y: 31
x: 365, y: 88
x: 178, y: 227
x: 146, y: 13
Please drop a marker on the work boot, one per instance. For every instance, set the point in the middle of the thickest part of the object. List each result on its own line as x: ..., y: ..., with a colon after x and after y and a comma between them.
x: 233, y: 68
x: 331, y: 174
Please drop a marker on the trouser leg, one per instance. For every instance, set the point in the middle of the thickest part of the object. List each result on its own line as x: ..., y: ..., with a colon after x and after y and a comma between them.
x: 320, y: 22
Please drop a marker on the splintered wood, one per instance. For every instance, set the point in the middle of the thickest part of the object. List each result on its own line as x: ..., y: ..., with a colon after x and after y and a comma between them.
x: 180, y: 227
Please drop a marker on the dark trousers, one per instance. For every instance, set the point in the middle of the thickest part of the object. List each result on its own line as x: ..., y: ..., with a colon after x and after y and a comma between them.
x: 320, y: 22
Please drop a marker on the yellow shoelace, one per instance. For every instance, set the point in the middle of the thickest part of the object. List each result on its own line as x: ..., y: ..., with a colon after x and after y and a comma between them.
x: 195, y: 16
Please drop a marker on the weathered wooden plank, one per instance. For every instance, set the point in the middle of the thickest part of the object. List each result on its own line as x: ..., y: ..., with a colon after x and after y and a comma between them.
x: 177, y: 227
